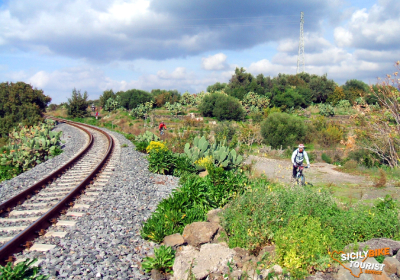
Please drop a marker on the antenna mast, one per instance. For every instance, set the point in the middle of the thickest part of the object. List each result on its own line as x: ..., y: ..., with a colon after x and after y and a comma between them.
x: 300, y: 58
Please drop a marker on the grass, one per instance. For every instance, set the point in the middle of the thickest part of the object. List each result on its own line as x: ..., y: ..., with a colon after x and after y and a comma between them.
x: 267, y: 213
x: 373, y: 172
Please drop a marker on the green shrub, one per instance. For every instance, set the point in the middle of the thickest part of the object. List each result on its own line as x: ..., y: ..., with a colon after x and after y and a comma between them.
x: 28, y: 147
x: 183, y: 165
x: 303, y: 246
x: 147, y: 136
x: 141, y: 146
x: 224, y: 131
x: 365, y: 157
x: 132, y: 98
x: 257, y: 117
x: 161, y: 161
x: 331, y: 135
x: 255, y: 218
x: 78, y: 104
x: 326, y: 158
x: 290, y: 98
x: 269, y: 111
x: 21, y: 271
x: 20, y: 103
x: 228, y: 108
x: 221, y: 106
x: 8, y: 172
x: 388, y: 203
x: 163, y: 260
x: 191, y: 202
x: 282, y: 129
x: 326, y: 110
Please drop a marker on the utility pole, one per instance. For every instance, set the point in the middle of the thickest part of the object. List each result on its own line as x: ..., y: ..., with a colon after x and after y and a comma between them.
x: 300, y: 58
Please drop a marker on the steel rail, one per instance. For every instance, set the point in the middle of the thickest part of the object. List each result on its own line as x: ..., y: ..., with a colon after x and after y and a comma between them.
x: 16, y: 244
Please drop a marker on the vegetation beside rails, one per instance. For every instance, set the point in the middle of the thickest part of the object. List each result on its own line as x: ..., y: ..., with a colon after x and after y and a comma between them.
x: 28, y: 147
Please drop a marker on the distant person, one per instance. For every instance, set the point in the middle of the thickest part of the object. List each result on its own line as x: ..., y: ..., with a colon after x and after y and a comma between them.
x: 97, y: 115
x: 161, y: 128
x: 298, y: 157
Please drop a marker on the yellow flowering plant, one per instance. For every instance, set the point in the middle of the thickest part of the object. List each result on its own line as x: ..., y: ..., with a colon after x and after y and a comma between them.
x: 155, y: 145
x: 203, y: 163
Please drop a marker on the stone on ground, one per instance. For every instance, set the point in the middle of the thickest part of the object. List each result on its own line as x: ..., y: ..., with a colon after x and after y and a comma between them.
x: 198, y: 233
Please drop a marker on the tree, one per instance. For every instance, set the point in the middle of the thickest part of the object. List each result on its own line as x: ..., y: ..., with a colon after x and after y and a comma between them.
x: 380, y: 135
x: 290, y: 98
x: 107, y: 94
x: 282, y: 129
x: 222, y: 106
x: 130, y: 99
x: 321, y: 88
x: 217, y: 87
x: 78, y: 104
x: 239, y: 84
x: 20, y: 103
x: 163, y: 96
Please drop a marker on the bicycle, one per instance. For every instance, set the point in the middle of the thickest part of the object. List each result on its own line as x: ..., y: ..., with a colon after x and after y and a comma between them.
x: 300, y: 178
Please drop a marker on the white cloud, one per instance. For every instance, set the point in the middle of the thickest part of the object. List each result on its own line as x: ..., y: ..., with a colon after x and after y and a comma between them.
x: 266, y: 67
x: 343, y: 37
x: 373, y: 29
x: 313, y: 42
x: 214, y: 62
x: 40, y: 79
x: 178, y: 74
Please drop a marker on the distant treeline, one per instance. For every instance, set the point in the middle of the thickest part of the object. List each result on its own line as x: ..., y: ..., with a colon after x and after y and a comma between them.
x: 293, y: 90
x: 283, y: 91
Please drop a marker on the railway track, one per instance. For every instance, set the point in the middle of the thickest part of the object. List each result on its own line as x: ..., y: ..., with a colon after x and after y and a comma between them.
x: 64, y: 193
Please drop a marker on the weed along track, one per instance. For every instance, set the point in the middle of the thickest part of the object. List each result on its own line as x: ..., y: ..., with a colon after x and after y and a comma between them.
x: 59, y: 199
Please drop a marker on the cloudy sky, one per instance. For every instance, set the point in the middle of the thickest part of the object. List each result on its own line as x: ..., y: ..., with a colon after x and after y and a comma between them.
x: 97, y: 45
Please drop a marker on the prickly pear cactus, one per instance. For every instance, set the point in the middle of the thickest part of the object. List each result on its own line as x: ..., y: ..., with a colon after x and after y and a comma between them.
x: 219, y: 155
x: 148, y: 136
x: 30, y: 146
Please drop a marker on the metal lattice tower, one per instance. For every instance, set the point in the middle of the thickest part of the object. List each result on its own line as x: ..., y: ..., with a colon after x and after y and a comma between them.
x: 300, y: 58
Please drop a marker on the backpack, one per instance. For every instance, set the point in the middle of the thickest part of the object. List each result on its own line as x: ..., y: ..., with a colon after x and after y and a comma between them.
x: 297, y: 152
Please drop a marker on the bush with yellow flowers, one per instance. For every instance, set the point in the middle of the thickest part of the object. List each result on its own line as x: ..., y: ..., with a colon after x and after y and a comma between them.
x: 203, y: 163
x: 155, y: 145
x: 303, y: 246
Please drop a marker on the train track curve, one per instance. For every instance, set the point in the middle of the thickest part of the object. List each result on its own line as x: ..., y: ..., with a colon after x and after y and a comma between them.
x: 28, y: 214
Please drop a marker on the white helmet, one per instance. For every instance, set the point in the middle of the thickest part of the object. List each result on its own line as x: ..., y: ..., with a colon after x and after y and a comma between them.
x: 301, y: 146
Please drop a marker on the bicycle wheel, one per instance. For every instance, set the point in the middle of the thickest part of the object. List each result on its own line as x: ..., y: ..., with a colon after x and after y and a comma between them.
x: 302, y: 180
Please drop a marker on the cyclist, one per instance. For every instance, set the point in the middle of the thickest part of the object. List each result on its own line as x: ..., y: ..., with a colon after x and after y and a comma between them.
x: 298, y: 157
x: 161, y: 128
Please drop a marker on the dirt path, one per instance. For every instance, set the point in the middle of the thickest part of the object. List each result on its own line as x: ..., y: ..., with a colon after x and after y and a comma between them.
x: 320, y: 172
x: 346, y: 187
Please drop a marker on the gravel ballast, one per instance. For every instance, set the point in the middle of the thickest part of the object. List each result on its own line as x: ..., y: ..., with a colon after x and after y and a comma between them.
x: 106, y: 243
x: 75, y: 140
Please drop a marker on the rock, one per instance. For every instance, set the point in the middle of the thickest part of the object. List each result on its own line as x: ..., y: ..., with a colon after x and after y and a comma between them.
x: 174, y: 240
x: 219, y: 239
x: 212, y: 258
x: 391, y: 265
x: 240, y: 257
x: 268, y: 251
x: 157, y: 275
x: 398, y: 271
x: 237, y: 274
x: 378, y: 243
x: 345, y: 273
x: 249, y: 264
x: 264, y: 273
x: 212, y: 216
x: 198, y: 233
x: 278, y: 269
x: 203, y: 174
